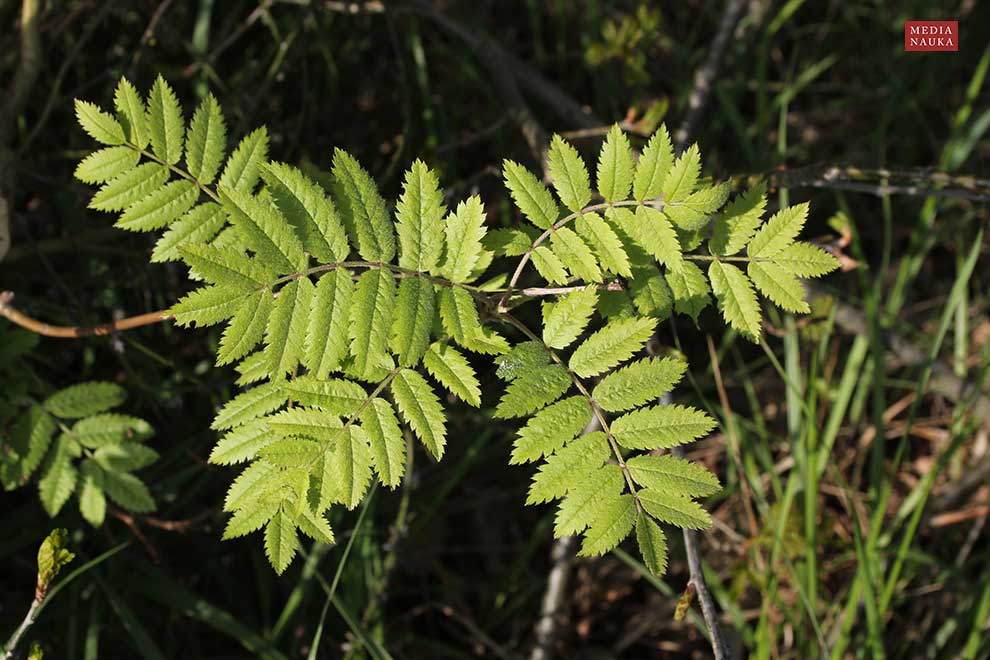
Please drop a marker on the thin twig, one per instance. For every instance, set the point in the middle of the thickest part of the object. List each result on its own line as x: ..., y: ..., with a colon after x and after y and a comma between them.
x: 17, y: 317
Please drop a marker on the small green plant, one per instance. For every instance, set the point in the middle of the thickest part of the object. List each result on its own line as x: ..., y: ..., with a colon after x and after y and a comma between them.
x: 78, y: 446
x: 342, y: 319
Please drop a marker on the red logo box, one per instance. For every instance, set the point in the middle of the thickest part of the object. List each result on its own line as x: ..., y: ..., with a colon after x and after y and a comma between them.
x: 931, y: 35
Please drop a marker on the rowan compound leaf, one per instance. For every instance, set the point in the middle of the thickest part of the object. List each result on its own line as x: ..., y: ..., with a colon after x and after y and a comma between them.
x: 533, y: 390
x: 530, y: 196
x: 573, y: 251
x: 419, y: 215
x: 281, y: 541
x: 414, y: 313
x: 736, y: 299
x: 652, y: 544
x: 165, y: 122
x: 611, y: 522
x: 683, y: 175
x: 653, y: 166
x: 133, y: 112
x: 661, y: 427
x: 673, y: 475
x: 362, y: 209
x: 84, y: 399
x: 778, y: 285
x: 569, y: 174
x: 615, y: 166
x: 805, y: 260
x: 735, y: 226
x: 243, y: 168
x: 206, y: 142
x: 550, y: 429
x: 310, y: 212
x: 420, y: 407
x: 674, y: 509
x: 452, y: 370
x: 604, y: 243
x: 779, y: 232
x: 100, y: 125
x: 465, y: 229
x: 388, y: 447
x: 103, y: 165
x: 565, y: 319
x: 371, y: 320
x: 326, y: 335
x: 614, y: 343
x: 639, y: 383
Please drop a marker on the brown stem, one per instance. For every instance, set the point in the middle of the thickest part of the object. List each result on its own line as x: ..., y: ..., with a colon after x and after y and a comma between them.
x: 17, y: 317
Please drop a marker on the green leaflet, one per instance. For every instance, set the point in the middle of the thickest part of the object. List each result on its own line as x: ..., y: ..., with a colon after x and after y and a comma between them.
x: 414, y: 313
x: 59, y: 475
x: 779, y: 232
x: 132, y: 112
x: 227, y: 267
x: 128, y: 456
x: 650, y: 294
x: 613, y: 344
x: 103, y: 165
x: 100, y: 125
x: 296, y: 422
x: 548, y: 265
x: 84, y: 399
x: 805, y: 260
x: 290, y: 452
x: 129, y: 187
x: 452, y: 370
x: 556, y: 476
x: 419, y: 215
x: 604, y: 243
x: 206, y: 142
x: 252, y: 517
x: 567, y: 318
x: 246, y: 328
x: 242, y: 443
x: 371, y: 320
x: 523, y: 357
x: 420, y: 407
x: 314, y: 526
x: 249, y: 405
x: 264, y: 229
x: 653, y: 166
x: 652, y: 544
x: 673, y: 475
x: 736, y: 299
x: 281, y: 540
x: 569, y: 174
x: 127, y: 491
x: 615, y: 166
x: 362, y: 209
x: 638, y: 383
x: 196, y: 226
x: 549, y: 429
x: 337, y: 396
x: 683, y: 175
x: 207, y: 306
x: 674, y: 509
x: 778, y: 285
x: 286, y: 329
x: 244, y: 165
x: 509, y: 242
x: 29, y: 438
x: 465, y: 230
x: 350, y: 466
x: 572, y: 250
x: 530, y: 196
x: 693, y: 212
x: 329, y: 317
x: 105, y: 429
x: 661, y: 427
x: 92, y: 500
x: 587, y: 499
x: 459, y: 315
x: 310, y: 212
x: 160, y: 207
x: 388, y: 447
x: 249, y: 486
x: 735, y: 225
x: 532, y: 390
x: 653, y: 231
x: 165, y: 122
x: 690, y: 290
x: 610, y: 523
